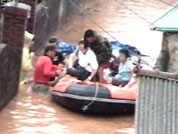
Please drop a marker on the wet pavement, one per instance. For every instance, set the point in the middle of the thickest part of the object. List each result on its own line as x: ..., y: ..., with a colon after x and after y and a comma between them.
x: 118, y: 17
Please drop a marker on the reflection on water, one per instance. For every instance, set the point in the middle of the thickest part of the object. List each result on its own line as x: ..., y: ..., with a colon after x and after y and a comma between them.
x: 126, y: 131
x: 31, y: 113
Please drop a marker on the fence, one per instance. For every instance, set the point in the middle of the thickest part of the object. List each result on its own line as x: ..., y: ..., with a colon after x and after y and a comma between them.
x: 157, y: 103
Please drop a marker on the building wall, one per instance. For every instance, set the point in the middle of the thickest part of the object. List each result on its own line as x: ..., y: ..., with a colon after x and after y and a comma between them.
x: 15, y: 18
x: 0, y: 29
x: 167, y: 60
x: 9, y: 78
x: 50, y: 15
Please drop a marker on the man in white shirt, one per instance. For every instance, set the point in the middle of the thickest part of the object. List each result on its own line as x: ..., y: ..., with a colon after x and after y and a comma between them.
x: 86, y: 66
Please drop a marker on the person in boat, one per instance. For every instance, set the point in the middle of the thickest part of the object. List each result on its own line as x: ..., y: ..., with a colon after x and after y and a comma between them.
x: 73, y: 57
x: 44, y: 70
x: 99, y: 45
x: 124, y: 69
x: 86, y: 65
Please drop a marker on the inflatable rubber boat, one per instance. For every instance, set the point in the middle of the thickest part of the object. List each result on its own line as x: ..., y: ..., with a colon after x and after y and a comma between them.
x: 94, y: 97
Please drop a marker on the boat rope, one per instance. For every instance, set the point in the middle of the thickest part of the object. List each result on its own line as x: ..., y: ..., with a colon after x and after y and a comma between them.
x: 85, y: 108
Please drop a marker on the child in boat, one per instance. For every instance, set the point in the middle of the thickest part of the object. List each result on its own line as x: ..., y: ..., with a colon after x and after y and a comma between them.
x: 86, y: 65
x: 124, y: 69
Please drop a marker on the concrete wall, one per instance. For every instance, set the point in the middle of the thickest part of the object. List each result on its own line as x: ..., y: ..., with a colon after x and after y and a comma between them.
x: 9, y: 78
x: 15, y: 18
x: 51, y: 14
x: 167, y: 60
x: 0, y: 29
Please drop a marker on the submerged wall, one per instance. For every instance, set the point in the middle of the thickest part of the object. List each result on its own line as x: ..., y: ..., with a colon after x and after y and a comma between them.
x: 9, y: 78
x: 167, y: 60
x: 51, y: 14
x: 15, y: 18
x: 0, y: 28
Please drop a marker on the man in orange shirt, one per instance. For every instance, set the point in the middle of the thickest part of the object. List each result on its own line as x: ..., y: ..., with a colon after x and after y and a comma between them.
x: 44, y: 70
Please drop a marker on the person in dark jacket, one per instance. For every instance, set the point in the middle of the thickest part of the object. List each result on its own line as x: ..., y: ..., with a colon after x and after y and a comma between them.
x: 99, y: 45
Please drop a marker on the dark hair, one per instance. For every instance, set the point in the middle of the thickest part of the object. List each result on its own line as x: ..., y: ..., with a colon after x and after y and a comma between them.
x: 89, y: 33
x: 53, y: 40
x: 49, y: 48
x: 82, y: 42
x: 39, y: 1
x: 126, y: 52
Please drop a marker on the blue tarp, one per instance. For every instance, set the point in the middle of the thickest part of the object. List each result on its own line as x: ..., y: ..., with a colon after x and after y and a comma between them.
x: 64, y: 47
x: 115, y: 45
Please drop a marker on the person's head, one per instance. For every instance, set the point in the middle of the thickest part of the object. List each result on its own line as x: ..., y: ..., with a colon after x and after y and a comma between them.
x: 123, y: 55
x: 50, y: 51
x: 89, y: 36
x: 82, y: 46
x: 53, y: 40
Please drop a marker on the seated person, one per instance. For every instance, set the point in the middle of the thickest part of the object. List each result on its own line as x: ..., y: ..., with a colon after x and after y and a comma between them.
x: 72, y: 58
x: 86, y: 65
x: 44, y: 70
x: 124, y: 70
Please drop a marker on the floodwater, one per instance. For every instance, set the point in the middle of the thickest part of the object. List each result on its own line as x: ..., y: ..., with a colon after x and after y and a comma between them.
x: 124, y: 20
x: 31, y: 113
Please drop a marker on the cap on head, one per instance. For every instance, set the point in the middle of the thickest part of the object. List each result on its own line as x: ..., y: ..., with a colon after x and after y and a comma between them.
x: 53, y: 40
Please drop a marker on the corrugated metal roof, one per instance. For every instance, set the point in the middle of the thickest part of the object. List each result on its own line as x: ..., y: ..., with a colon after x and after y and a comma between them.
x: 168, y: 22
x: 156, y: 106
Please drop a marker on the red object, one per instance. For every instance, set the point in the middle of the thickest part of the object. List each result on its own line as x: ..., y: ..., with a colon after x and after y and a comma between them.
x: 44, y: 70
x: 128, y: 92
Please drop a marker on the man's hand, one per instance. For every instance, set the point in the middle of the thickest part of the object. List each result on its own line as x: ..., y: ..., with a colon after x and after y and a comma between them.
x: 89, y: 78
x: 58, y: 72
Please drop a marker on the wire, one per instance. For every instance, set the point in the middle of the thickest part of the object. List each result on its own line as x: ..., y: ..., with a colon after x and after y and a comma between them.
x: 150, y: 23
x: 165, y: 3
x: 94, y: 22
x: 133, y: 12
x: 176, y: 6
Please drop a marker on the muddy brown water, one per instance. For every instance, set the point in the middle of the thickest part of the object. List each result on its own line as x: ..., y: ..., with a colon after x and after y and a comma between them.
x: 30, y: 113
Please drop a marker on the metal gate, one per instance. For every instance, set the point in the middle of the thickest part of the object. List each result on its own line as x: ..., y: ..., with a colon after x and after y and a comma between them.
x: 157, y: 103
